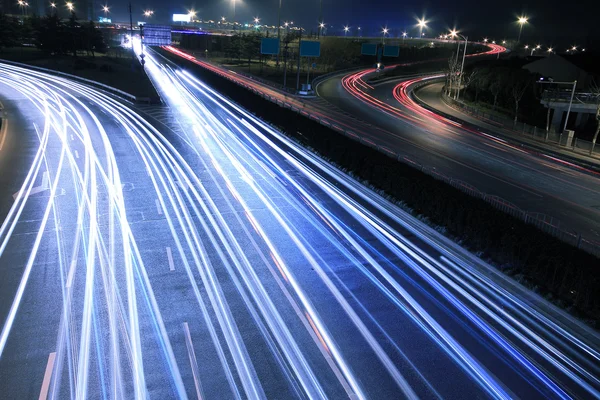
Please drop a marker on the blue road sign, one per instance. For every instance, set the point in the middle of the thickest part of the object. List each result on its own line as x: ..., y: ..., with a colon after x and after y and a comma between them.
x: 391, y: 51
x: 269, y: 46
x: 369, y: 49
x: 310, y: 48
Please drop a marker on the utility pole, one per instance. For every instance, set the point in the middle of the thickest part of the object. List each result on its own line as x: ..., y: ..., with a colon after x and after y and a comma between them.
x: 279, y: 34
x: 320, y: 18
x: 298, y: 68
x: 570, y: 104
x: 462, y: 67
x: 131, y: 38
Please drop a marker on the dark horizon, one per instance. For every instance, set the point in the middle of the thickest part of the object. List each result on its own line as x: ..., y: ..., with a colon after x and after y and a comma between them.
x: 549, y: 22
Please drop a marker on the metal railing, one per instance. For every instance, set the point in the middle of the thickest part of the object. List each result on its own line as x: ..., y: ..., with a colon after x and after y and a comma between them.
x: 565, y: 95
x: 552, y: 137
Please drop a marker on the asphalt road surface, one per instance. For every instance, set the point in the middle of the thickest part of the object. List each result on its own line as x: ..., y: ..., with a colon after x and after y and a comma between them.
x: 189, y: 250
x: 532, y: 183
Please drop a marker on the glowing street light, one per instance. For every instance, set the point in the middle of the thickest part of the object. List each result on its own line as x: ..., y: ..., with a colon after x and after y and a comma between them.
x: 383, y: 33
x: 346, y: 29
x: 70, y: 6
x: 256, y: 20
x: 522, y: 21
x: 106, y: 10
x: 504, y: 42
x: 192, y: 15
x: 485, y: 40
x: 148, y: 13
x: 550, y: 50
x: 422, y: 24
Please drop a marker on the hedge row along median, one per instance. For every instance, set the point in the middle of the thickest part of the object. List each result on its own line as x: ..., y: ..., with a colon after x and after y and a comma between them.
x: 557, y: 269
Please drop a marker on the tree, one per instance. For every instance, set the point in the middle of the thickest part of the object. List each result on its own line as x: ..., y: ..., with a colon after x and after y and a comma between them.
x: 495, y: 89
x: 520, y: 81
x: 480, y: 82
x: 453, y: 71
x: 9, y: 31
x: 596, y: 91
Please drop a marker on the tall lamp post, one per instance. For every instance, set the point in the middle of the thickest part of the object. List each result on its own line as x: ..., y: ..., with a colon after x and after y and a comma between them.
x: 574, y: 83
x: 383, y: 33
x: 462, y: 66
x: 422, y: 24
x: 346, y: 29
x: 278, y: 31
x: 321, y: 26
x: 105, y: 9
x: 522, y: 21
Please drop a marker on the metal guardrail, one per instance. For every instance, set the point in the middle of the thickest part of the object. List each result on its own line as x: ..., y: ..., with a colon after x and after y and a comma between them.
x: 530, y: 131
x: 544, y: 222
x: 565, y: 95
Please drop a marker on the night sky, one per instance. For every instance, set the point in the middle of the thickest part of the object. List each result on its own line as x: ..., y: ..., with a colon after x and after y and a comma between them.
x: 550, y: 21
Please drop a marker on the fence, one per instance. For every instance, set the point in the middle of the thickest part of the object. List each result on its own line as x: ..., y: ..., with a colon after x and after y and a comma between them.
x: 553, y: 136
x: 546, y: 223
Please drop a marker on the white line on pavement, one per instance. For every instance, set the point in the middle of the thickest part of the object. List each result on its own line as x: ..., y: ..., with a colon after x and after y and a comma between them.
x: 193, y: 362
x: 47, y: 377
x: 170, y: 258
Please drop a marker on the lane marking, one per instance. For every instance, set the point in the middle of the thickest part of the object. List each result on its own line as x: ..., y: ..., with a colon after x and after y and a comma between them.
x: 37, y: 189
x: 71, y: 273
x: 193, y: 362
x: 158, y: 208
x: 76, y: 154
x: 3, y: 132
x: 47, y: 377
x: 170, y: 258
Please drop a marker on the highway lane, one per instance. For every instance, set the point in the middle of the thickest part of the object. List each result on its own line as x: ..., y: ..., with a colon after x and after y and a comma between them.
x: 527, y: 180
x: 212, y: 257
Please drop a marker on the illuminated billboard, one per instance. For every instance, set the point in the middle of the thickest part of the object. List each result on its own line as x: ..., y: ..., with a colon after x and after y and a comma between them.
x: 104, y: 20
x: 181, y: 18
x: 157, y: 35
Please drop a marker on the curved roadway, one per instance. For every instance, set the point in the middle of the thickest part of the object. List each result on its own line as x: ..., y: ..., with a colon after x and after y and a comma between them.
x: 190, y: 250
x: 532, y: 182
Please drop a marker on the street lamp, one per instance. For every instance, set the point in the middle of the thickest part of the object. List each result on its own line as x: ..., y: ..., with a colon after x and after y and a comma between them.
x: 70, y: 6
x: 148, y: 13
x: 403, y: 37
x: 192, y: 15
x: 462, y: 66
x: 383, y: 33
x: 422, y: 24
x: 539, y: 46
x: 106, y: 10
x: 321, y: 26
x: 485, y: 40
x: 522, y: 21
x: 346, y: 29
x: 550, y: 50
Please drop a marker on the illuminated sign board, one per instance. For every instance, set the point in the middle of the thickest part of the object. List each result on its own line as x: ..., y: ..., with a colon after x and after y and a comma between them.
x: 104, y: 20
x: 181, y: 18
